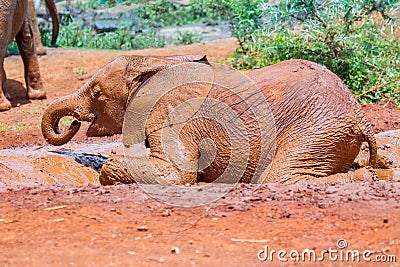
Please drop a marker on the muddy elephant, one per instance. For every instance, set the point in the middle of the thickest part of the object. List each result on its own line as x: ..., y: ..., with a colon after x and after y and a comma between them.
x: 319, y: 125
x: 15, y: 22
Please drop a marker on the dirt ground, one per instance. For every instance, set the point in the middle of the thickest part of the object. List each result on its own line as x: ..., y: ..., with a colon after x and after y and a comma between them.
x: 65, y: 225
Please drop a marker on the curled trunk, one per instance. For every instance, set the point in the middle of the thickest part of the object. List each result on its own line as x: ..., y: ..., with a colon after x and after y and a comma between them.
x: 55, y: 19
x: 65, y: 106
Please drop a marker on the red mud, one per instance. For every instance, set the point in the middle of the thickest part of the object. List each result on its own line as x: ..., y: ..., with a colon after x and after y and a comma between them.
x: 43, y: 225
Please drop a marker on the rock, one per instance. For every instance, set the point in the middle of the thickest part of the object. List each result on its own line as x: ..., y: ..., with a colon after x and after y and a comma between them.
x: 208, y: 33
x: 142, y: 228
x: 180, y: 2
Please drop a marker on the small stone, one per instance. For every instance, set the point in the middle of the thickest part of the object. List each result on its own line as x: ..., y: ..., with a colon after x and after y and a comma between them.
x: 166, y: 213
x: 142, y: 228
x: 175, y: 250
x: 386, y: 220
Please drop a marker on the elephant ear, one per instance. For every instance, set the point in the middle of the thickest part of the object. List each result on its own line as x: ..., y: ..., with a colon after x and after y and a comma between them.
x: 138, y: 71
x: 190, y: 58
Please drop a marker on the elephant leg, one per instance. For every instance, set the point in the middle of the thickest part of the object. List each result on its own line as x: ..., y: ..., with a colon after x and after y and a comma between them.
x: 40, y: 50
x: 4, y: 103
x: 34, y: 82
x: 315, y: 159
x: 124, y: 170
x: 366, y: 174
x: 115, y: 171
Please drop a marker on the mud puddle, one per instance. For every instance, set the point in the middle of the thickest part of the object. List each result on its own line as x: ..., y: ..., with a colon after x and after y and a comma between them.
x: 75, y: 164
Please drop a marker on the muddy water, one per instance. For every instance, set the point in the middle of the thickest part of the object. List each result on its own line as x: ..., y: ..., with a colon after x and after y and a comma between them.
x: 80, y: 163
x: 76, y: 164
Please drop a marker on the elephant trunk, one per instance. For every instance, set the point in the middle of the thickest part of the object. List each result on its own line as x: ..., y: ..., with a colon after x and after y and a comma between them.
x: 55, y: 19
x: 65, y: 106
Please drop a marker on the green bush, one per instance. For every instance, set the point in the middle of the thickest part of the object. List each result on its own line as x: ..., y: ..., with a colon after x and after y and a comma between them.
x: 185, y: 38
x: 95, y: 4
x: 347, y: 36
x: 161, y: 13
x: 72, y: 34
x: 154, y: 14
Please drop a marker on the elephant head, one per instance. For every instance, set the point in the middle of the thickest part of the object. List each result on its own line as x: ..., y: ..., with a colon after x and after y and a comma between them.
x: 103, y: 99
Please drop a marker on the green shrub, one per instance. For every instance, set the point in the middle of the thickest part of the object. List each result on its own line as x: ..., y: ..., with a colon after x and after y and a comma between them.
x: 95, y: 4
x: 154, y: 14
x: 72, y: 34
x: 185, y: 38
x: 162, y: 13
x: 346, y: 36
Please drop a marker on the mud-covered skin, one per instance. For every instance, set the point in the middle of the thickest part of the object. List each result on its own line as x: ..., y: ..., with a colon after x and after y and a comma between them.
x: 319, y: 125
x: 15, y: 22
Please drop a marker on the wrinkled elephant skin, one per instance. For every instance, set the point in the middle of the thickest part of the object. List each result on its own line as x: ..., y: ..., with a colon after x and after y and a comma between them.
x: 319, y: 125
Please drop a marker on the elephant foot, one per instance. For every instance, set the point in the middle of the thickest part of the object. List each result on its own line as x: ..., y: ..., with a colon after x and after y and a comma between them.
x: 115, y: 171
x: 5, y: 104
x: 36, y: 94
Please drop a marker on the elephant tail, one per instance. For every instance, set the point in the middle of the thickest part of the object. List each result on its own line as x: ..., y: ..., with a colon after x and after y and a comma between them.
x: 369, y: 137
x: 55, y: 19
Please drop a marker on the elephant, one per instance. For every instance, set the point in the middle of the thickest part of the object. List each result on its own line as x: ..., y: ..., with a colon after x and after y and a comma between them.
x: 15, y: 22
x: 319, y: 125
x: 40, y: 50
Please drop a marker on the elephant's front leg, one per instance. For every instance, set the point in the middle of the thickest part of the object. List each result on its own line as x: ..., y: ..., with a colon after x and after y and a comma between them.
x: 34, y: 82
x: 125, y: 170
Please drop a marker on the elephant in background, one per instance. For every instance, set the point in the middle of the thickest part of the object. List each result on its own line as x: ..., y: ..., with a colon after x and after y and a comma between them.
x: 40, y: 50
x: 319, y: 124
x: 15, y: 22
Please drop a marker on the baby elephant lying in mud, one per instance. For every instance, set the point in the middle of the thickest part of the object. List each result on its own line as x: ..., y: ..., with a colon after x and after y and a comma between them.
x: 318, y: 125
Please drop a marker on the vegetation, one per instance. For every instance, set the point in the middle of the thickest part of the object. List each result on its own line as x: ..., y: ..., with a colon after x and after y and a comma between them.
x: 18, y: 127
x: 185, y: 38
x: 152, y: 15
x: 356, y: 39
x: 162, y: 13
x: 95, y: 4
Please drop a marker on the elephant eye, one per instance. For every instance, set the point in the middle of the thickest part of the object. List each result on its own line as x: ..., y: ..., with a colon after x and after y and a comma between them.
x: 96, y: 93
